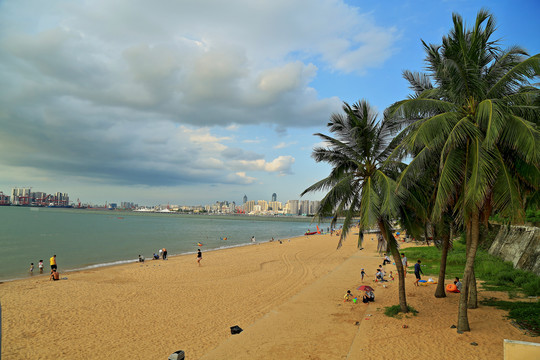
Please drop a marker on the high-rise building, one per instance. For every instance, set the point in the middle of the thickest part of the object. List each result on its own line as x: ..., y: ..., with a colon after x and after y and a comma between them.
x: 293, y: 207
x: 275, y: 205
x: 248, y: 206
x: 304, y: 207
x: 20, y: 196
x: 314, y: 206
x: 274, y: 197
x: 263, y: 204
x: 245, y: 199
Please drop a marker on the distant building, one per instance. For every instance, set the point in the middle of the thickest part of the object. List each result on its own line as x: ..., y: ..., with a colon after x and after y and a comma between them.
x: 20, y: 196
x: 248, y: 206
x: 275, y: 205
x: 293, y: 207
x: 314, y: 206
x: 4, y: 199
x: 304, y: 207
x: 274, y: 197
x: 245, y: 199
x: 263, y: 204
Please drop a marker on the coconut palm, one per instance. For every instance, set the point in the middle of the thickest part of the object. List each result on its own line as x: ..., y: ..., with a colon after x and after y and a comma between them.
x: 360, y: 183
x: 478, y: 118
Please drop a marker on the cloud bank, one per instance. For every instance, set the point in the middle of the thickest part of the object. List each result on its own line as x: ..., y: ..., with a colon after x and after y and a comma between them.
x: 132, y: 92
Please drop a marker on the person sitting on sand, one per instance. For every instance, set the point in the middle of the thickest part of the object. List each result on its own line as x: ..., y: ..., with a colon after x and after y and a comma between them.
x: 369, y: 296
x: 391, y: 276
x: 379, y: 275
x: 386, y: 260
x: 141, y: 258
x: 348, y: 296
x: 55, y: 275
x: 458, y: 284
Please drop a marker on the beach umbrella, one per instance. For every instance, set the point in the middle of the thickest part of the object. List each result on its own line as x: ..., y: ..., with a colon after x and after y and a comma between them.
x: 365, y: 288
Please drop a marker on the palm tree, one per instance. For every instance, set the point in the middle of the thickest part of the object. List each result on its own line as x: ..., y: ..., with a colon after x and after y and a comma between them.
x: 478, y: 118
x: 360, y: 183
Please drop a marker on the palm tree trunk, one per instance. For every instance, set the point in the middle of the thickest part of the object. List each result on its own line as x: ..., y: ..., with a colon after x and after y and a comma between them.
x: 399, y: 265
x: 473, y: 294
x: 463, y: 320
x: 426, y: 234
x: 440, y: 291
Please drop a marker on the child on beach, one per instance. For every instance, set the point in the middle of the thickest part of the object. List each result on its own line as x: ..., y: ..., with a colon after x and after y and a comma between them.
x: 199, y: 256
x: 391, y: 276
x: 348, y: 296
x: 40, y: 265
x: 363, y: 273
x: 31, y: 268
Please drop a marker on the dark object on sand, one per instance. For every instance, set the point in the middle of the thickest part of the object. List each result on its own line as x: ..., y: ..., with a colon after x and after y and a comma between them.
x: 178, y: 355
x: 236, y: 329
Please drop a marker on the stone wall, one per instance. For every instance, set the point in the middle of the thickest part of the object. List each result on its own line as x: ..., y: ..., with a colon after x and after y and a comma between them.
x: 519, y: 245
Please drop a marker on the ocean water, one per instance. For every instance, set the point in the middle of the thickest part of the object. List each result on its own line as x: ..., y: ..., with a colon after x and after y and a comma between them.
x: 88, y: 238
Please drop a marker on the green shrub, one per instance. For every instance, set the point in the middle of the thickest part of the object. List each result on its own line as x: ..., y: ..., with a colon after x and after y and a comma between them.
x: 526, y: 314
x: 392, y: 311
x: 532, y: 287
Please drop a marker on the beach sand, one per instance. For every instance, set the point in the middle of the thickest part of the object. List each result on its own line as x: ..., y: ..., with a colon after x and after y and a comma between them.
x: 288, y: 299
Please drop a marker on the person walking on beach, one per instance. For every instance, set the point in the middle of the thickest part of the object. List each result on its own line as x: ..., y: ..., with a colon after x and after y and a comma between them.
x: 199, y: 256
x: 52, y: 261
x: 417, y: 271
x: 40, y: 265
x: 363, y: 273
x: 164, y: 254
x: 31, y: 268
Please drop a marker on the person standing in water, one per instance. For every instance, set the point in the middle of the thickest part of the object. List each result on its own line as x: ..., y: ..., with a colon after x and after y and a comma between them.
x: 199, y: 256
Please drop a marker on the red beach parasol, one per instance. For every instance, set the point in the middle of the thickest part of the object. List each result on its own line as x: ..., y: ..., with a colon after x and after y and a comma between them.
x: 365, y: 288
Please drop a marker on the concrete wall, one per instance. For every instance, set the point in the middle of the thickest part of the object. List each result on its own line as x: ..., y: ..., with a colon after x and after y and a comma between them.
x: 520, y: 245
x: 521, y: 350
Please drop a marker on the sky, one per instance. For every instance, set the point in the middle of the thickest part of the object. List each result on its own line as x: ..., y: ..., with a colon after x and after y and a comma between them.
x: 191, y: 102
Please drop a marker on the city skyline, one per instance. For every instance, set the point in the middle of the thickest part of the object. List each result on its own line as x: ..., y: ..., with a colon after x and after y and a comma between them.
x: 156, y: 102
x: 25, y: 196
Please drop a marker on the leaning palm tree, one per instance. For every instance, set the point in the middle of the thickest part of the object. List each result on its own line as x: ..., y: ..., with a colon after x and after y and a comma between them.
x: 478, y: 119
x: 360, y: 183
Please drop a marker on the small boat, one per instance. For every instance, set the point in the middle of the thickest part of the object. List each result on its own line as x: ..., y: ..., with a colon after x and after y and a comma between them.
x: 310, y: 233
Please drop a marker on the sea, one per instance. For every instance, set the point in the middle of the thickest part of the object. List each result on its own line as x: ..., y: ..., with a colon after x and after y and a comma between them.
x: 84, y: 239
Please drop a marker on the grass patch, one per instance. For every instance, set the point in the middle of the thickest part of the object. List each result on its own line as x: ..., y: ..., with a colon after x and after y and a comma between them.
x: 526, y: 314
x: 497, y: 274
x: 393, y: 311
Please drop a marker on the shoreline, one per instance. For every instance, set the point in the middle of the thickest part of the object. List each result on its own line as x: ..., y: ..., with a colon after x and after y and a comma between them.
x: 136, y: 260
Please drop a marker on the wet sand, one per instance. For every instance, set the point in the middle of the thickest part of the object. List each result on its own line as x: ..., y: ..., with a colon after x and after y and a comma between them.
x: 287, y: 297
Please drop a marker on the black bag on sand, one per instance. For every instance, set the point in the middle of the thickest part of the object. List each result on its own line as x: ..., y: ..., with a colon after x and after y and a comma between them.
x: 236, y: 329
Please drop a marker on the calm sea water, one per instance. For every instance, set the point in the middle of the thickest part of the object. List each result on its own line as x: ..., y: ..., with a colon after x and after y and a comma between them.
x: 84, y: 238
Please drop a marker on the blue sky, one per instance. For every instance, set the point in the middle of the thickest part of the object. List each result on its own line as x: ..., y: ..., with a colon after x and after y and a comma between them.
x: 189, y: 102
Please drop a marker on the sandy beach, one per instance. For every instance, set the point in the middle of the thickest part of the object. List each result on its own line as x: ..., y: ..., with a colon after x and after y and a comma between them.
x: 288, y: 299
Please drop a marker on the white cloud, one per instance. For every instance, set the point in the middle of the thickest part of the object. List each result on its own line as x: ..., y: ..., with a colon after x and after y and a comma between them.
x: 281, y: 164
